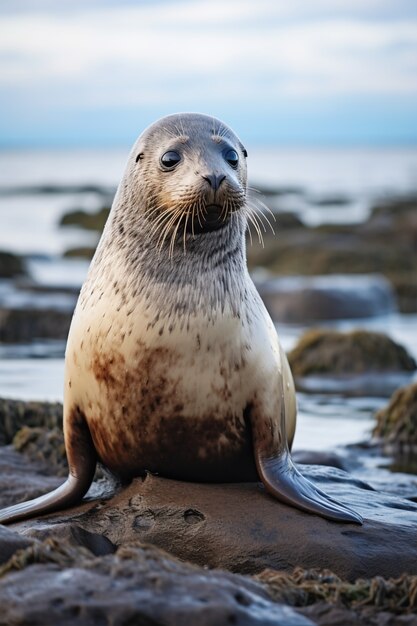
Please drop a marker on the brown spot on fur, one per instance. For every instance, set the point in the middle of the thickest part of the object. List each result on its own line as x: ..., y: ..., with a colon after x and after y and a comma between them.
x: 140, y: 425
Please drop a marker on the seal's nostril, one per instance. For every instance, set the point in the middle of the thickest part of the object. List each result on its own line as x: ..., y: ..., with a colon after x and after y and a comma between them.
x: 214, y: 180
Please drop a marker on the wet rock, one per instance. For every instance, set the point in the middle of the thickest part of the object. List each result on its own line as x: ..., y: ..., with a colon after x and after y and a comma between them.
x: 15, y: 414
x: 397, y: 422
x: 22, y: 479
x: 405, y: 287
x: 137, y: 585
x: 313, y: 457
x: 324, y: 351
x: 338, y: 250
x: 23, y: 325
x: 10, y: 543
x: 240, y: 528
x: 303, y: 299
x: 334, y: 601
x: 88, y: 221
x: 45, y: 445
x: 83, y: 253
x: 11, y: 265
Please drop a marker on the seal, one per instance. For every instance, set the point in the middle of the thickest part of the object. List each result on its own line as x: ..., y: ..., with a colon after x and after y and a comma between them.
x: 173, y: 365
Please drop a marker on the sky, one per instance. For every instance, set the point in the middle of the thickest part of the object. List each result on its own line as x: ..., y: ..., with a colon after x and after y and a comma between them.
x: 96, y: 73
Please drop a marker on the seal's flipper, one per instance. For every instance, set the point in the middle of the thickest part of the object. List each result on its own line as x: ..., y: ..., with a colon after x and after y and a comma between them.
x: 82, y: 463
x: 278, y: 472
x: 282, y: 479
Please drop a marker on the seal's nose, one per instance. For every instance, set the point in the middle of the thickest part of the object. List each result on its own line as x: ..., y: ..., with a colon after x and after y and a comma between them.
x: 214, y: 180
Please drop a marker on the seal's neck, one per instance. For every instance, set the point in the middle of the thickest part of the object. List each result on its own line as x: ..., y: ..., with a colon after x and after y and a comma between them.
x: 203, y: 272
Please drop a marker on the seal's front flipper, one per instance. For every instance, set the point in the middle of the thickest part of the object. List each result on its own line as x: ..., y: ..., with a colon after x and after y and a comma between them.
x: 82, y: 458
x: 282, y: 479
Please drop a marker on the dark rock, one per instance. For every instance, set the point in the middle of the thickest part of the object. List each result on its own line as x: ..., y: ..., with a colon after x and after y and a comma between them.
x: 10, y: 543
x: 138, y: 585
x: 405, y: 287
x: 397, y: 422
x: 240, y: 528
x: 313, y: 457
x: 21, y: 479
x: 11, y: 265
x: 83, y: 253
x: 321, y: 351
x: 331, y: 200
x: 23, y: 325
x: 45, y: 445
x: 15, y: 414
x: 303, y: 299
x: 88, y: 221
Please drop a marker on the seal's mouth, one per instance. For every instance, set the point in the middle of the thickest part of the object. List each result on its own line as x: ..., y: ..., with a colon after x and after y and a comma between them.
x: 212, y: 218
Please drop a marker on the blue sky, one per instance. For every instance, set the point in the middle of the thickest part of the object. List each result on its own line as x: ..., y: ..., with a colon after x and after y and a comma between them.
x: 277, y: 71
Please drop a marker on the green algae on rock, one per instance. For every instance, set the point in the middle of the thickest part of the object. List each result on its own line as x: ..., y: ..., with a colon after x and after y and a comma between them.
x: 83, y: 219
x: 356, y: 352
x: 45, y: 445
x: 397, y: 422
x: 14, y: 414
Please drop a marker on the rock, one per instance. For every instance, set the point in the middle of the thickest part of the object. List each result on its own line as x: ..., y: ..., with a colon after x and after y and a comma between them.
x: 45, y: 445
x: 22, y: 325
x: 10, y: 543
x: 359, y: 351
x: 15, y: 414
x: 84, y: 253
x: 304, y: 299
x: 88, y: 221
x: 11, y: 265
x: 405, y: 287
x: 21, y: 479
x: 240, y: 528
x: 137, y: 585
x: 318, y: 251
x: 397, y: 422
x: 330, y: 600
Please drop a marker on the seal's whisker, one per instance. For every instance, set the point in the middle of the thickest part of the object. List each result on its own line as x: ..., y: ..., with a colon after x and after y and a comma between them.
x: 251, y: 217
x: 187, y: 215
x: 260, y: 216
x: 166, y: 229
x: 174, y: 235
x: 202, y: 212
x: 261, y: 205
x: 162, y: 219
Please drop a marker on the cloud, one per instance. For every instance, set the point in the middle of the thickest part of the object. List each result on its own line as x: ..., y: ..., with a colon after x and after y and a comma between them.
x: 141, y: 53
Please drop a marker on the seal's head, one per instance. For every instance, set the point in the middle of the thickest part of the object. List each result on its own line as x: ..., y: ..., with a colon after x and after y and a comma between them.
x: 187, y: 175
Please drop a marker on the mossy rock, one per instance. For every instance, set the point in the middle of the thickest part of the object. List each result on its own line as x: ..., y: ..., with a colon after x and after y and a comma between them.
x: 356, y: 352
x: 45, y: 445
x: 88, y: 221
x: 14, y: 414
x: 82, y: 253
x: 397, y: 422
x: 11, y: 265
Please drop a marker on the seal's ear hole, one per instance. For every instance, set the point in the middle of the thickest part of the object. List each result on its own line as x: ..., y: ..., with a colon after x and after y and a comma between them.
x: 139, y: 157
x: 245, y: 152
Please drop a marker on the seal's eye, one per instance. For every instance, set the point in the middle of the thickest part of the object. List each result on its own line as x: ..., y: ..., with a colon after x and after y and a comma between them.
x: 170, y: 159
x: 232, y: 157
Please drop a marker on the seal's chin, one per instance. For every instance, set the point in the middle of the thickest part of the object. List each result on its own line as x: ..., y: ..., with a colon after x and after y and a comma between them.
x: 214, y: 217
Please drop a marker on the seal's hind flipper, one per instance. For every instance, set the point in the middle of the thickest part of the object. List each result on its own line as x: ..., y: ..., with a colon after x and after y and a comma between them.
x: 282, y: 479
x: 82, y: 463
x: 278, y: 472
